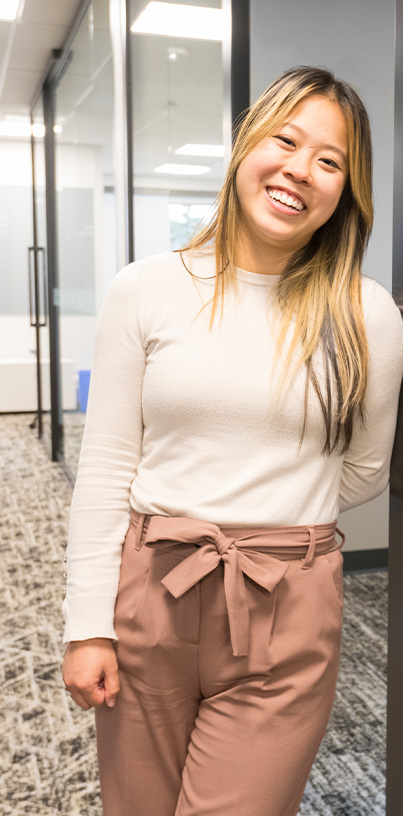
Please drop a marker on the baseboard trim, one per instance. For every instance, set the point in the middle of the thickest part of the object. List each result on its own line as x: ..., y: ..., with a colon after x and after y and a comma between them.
x: 365, y: 559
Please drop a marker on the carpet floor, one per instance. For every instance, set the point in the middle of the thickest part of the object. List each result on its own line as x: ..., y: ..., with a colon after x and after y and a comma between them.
x: 47, y: 748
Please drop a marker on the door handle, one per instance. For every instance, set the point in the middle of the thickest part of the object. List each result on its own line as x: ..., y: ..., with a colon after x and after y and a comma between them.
x: 31, y: 254
x: 33, y: 286
x: 41, y: 251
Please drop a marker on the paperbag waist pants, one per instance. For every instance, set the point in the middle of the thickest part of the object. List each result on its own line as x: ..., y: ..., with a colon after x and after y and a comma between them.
x: 228, y: 654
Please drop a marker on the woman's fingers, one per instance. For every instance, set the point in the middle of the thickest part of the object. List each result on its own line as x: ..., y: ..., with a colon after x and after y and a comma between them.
x: 111, y: 683
x: 87, y: 696
x: 80, y: 701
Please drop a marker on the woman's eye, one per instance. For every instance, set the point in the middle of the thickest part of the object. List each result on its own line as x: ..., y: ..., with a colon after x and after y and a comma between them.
x: 330, y: 163
x: 286, y: 140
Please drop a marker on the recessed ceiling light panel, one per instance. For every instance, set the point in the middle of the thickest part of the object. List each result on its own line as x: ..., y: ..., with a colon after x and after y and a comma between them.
x: 177, y: 20
x: 8, y: 9
x: 182, y: 169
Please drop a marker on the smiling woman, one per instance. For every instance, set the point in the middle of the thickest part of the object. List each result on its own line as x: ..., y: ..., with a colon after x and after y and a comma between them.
x: 243, y: 390
x: 318, y: 250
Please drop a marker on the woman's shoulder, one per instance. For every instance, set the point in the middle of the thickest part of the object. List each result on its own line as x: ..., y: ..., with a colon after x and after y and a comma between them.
x: 383, y: 318
x: 376, y: 299
x: 163, y: 268
x: 156, y: 265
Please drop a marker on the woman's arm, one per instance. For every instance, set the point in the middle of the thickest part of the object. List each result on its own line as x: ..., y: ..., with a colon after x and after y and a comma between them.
x: 365, y: 472
x: 109, y: 457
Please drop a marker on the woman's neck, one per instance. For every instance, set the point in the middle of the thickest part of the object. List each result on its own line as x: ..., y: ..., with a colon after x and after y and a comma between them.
x: 268, y: 263
x: 263, y: 260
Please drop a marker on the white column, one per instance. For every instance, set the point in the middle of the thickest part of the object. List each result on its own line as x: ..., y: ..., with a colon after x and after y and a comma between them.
x: 117, y: 15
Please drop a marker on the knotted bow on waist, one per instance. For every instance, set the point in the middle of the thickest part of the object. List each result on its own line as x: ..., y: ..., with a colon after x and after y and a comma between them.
x: 243, y: 552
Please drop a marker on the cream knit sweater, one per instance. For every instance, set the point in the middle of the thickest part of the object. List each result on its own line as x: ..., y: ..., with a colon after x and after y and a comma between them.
x: 184, y: 422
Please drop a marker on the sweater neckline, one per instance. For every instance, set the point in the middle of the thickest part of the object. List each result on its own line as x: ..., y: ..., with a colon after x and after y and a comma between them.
x: 256, y: 278
x: 201, y: 264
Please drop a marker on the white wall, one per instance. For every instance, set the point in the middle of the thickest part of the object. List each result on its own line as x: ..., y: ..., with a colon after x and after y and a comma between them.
x: 355, y: 39
x: 15, y: 225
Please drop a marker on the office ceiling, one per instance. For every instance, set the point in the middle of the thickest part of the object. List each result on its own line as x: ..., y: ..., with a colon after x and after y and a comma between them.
x: 174, y: 102
x: 25, y: 48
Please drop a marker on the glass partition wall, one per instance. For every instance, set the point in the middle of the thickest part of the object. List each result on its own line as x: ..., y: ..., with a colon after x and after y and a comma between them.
x: 177, y: 103
x: 85, y: 211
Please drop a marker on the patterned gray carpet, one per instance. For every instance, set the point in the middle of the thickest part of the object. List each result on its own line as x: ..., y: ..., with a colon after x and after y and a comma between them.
x: 47, y: 752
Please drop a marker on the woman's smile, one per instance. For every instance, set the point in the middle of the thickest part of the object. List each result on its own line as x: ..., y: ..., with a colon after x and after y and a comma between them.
x: 285, y: 200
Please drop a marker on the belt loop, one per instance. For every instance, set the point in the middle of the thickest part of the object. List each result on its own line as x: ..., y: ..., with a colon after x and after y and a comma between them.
x: 311, y: 549
x: 342, y: 536
x: 139, y: 531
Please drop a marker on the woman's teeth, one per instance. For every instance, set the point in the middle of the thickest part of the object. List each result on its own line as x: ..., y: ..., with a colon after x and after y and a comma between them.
x: 284, y: 198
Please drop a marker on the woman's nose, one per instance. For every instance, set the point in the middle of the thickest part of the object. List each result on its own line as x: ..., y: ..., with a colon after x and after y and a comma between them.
x: 299, y: 168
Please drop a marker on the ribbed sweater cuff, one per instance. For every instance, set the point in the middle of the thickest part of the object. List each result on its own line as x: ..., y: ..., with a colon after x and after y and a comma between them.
x: 89, y: 617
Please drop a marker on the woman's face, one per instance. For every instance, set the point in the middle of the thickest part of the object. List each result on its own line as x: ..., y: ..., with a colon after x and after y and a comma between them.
x: 290, y: 183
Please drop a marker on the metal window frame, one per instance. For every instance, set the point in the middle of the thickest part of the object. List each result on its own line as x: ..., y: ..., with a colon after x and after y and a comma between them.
x: 236, y: 67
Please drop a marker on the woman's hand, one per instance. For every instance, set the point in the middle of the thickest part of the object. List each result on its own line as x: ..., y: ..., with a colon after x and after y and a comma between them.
x: 90, y: 672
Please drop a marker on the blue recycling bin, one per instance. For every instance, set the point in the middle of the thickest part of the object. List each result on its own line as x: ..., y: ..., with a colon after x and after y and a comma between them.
x: 83, y: 386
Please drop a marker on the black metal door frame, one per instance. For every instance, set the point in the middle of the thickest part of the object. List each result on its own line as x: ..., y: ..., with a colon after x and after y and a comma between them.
x: 58, y: 62
x: 46, y: 94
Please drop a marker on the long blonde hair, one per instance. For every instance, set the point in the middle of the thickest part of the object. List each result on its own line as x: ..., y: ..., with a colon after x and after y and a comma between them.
x: 321, y: 284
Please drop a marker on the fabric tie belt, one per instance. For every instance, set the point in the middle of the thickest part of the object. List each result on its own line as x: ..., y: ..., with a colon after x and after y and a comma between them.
x: 243, y: 552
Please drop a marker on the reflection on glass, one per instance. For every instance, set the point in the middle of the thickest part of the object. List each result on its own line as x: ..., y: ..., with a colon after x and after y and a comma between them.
x: 85, y: 210
x: 177, y: 83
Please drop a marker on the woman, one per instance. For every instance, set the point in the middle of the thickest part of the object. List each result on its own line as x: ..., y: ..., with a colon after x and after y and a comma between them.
x: 243, y: 391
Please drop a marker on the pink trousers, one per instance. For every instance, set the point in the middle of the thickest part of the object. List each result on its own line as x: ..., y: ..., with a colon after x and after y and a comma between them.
x: 228, y: 652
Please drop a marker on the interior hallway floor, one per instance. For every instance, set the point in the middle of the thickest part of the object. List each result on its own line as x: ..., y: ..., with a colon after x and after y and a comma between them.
x: 47, y: 749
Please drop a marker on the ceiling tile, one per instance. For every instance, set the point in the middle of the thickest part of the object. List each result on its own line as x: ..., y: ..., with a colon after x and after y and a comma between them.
x: 55, y: 12
x: 20, y: 88
x: 33, y: 45
x: 4, y: 35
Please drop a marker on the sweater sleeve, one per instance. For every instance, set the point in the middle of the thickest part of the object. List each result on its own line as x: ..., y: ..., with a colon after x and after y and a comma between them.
x: 365, y: 472
x: 110, y: 453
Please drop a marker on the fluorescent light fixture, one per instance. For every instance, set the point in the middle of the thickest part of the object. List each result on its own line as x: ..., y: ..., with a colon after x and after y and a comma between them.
x: 177, y: 20
x: 200, y: 150
x: 182, y: 169
x: 19, y: 127
x: 8, y: 9
x: 15, y: 130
